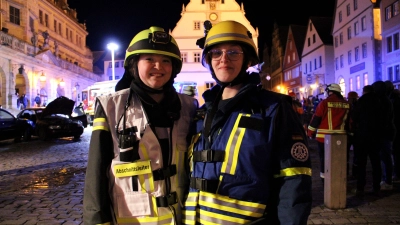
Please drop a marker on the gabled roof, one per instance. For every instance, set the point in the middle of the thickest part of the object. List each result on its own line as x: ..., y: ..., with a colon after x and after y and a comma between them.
x: 299, y: 34
x: 323, y: 26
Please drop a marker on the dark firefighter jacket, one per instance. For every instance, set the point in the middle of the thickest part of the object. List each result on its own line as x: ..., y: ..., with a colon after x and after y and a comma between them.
x: 255, y: 163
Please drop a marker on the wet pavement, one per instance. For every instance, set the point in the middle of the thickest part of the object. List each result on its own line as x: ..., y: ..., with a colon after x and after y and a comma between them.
x: 42, y: 183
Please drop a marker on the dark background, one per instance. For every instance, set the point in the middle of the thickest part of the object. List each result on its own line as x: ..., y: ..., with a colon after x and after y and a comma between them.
x: 120, y: 20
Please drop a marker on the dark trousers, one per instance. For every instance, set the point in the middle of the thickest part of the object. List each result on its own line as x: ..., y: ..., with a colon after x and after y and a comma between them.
x: 396, y: 156
x: 353, y: 163
x: 321, y: 151
x: 387, y: 162
x: 368, y: 148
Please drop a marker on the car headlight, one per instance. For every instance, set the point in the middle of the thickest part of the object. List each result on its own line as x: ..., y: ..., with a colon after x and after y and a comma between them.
x: 54, y: 127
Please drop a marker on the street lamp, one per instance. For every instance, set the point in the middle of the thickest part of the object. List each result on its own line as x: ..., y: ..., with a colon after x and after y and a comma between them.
x: 112, y: 47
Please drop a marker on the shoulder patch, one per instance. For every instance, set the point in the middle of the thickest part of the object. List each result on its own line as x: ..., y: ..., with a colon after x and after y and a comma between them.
x: 300, y: 152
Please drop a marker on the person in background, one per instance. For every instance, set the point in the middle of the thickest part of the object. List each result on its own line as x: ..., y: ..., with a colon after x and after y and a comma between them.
x: 386, y: 135
x: 137, y: 165
x: 250, y: 161
x: 395, y: 99
x: 367, y: 124
x: 38, y: 100
x: 330, y: 117
x: 352, y: 98
x: 297, y: 106
x: 190, y: 91
x: 23, y: 102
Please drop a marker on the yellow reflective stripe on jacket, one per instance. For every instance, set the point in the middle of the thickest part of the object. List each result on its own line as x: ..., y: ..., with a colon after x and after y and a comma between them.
x: 294, y: 171
x: 165, y: 219
x: 220, y: 202
x: 100, y: 124
x: 233, y: 147
x: 146, y: 180
x: 207, y: 217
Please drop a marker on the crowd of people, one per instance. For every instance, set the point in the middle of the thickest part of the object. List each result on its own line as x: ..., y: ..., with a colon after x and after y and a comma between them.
x: 372, y: 125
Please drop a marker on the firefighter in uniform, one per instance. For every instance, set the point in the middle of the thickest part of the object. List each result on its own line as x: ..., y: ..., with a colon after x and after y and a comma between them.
x: 249, y: 161
x: 330, y: 117
x: 136, y: 172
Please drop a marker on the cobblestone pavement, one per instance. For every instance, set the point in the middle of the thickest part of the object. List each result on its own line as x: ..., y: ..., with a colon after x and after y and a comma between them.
x: 42, y: 183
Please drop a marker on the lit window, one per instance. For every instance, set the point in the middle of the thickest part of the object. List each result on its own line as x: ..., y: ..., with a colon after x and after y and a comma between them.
x: 351, y: 84
x: 358, y: 85
x: 341, y: 61
x: 365, y: 79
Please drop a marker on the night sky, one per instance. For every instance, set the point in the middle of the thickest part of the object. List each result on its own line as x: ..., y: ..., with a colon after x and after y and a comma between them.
x: 120, y: 20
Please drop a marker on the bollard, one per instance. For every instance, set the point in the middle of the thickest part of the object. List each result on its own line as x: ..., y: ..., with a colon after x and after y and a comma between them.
x: 335, y: 171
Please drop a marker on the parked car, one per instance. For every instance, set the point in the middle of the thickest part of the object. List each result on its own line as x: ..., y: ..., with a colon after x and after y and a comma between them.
x: 31, y: 114
x: 56, y: 121
x: 14, y: 128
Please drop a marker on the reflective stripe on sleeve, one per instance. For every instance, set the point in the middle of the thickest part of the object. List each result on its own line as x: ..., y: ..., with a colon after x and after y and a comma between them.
x: 294, y: 171
x: 100, y: 124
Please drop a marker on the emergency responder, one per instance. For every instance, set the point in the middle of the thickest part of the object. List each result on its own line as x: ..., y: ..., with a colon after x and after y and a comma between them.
x: 330, y: 117
x: 250, y: 161
x: 136, y: 164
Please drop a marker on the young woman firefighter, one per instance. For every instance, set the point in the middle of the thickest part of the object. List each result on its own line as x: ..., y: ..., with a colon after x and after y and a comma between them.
x: 136, y: 172
x: 250, y: 162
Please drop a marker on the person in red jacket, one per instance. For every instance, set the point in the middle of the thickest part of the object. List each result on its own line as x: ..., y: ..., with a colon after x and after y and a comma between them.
x: 330, y: 117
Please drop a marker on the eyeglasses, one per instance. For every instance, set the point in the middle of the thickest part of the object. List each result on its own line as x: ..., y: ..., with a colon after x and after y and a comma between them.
x: 233, y: 55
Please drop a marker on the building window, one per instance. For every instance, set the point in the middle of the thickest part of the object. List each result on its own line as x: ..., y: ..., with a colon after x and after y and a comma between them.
x: 14, y: 15
x: 336, y: 63
x: 355, y: 3
x: 197, y: 57
x: 356, y: 28
x: 209, y: 85
x: 351, y: 84
x: 55, y: 26
x: 310, y: 66
x: 340, y: 16
x: 31, y: 24
x: 356, y: 55
x: 365, y: 79
x: 396, y: 41
x: 389, y: 44
x: 66, y: 33
x: 396, y: 73
x: 358, y: 81
x: 40, y: 17
x: 196, y: 25
x: 70, y: 35
x: 310, y: 26
x: 363, y: 23
x: 117, y: 64
x: 315, y: 63
x: 341, y: 38
x: 308, y: 42
x: 348, y: 33
x: 288, y: 59
x: 313, y: 38
x: 305, y: 68
x: 364, y: 50
x: 109, y: 64
x: 348, y: 9
x: 336, y: 42
x: 184, y: 57
x: 349, y: 57
x: 392, y: 10
x: 341, y: 61
x: 46, y: 20
x: 320, y: 61
x: 59, y: 29
x: 294, y: 56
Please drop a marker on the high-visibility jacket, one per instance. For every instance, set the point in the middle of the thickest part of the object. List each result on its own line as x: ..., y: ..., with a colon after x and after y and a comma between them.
x: 255, y: 163
x: 146, y: 190
x: 330, y: 117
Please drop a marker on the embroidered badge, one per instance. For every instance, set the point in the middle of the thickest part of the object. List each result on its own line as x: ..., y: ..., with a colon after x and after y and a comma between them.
x: 300, y: 152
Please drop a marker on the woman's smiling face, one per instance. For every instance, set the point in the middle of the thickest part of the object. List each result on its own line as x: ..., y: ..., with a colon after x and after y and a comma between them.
x: 155, y: 70
x: 226, y: 68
